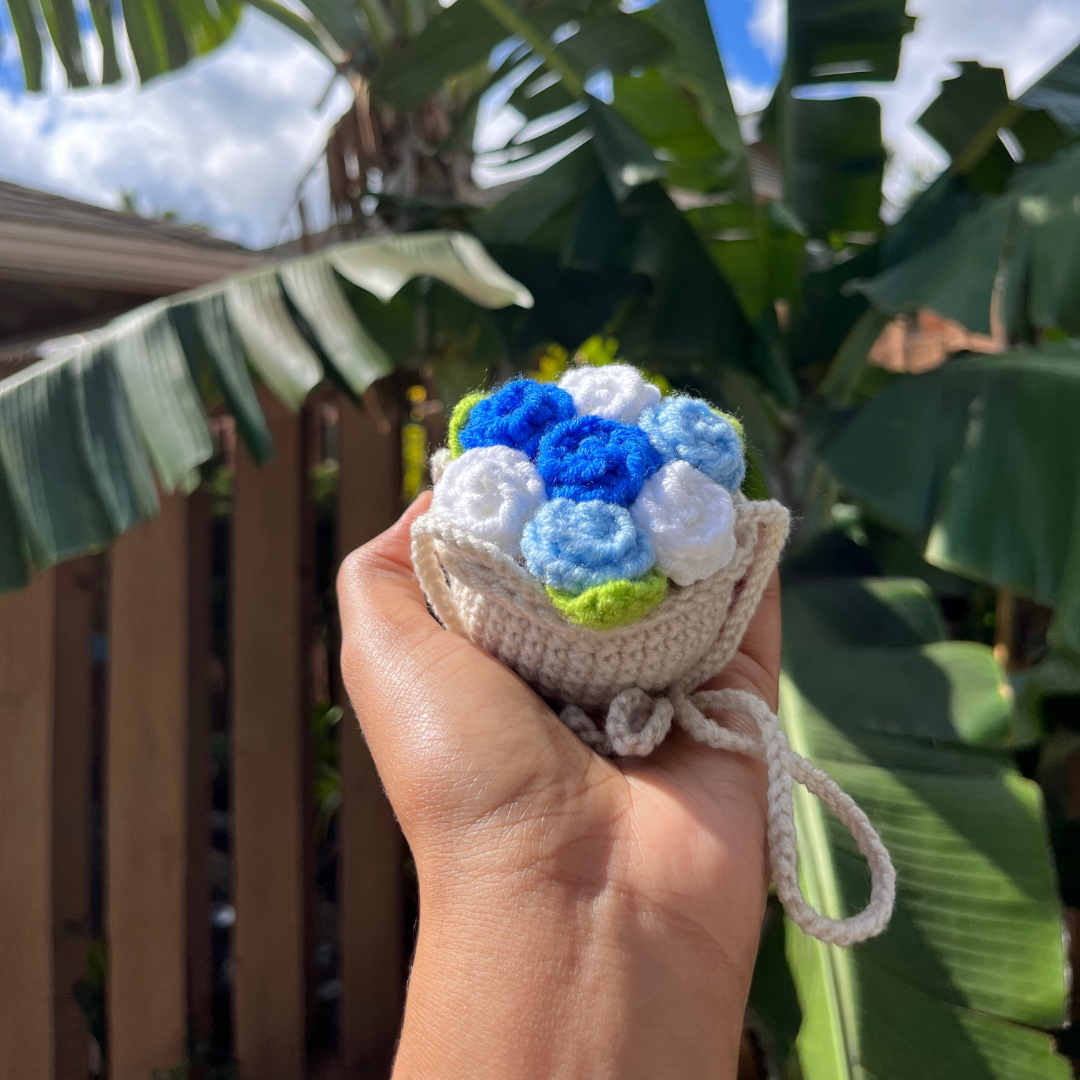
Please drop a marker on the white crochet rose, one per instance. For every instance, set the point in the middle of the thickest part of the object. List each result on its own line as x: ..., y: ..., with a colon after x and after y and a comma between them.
x: 690, y: 520
x: 490, y: 492
x: 614, y: 391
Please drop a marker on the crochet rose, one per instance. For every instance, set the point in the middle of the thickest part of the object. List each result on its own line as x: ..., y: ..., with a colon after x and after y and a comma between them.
x: 573, y: 546
x: 615, y: 391
x: 687, y: 429
x: 590, y: 458
x: 517, y: 416
x: 491, y: 491
x: 690, y: 521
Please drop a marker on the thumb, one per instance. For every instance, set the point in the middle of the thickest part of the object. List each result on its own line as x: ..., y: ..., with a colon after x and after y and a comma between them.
x: 441, y: 716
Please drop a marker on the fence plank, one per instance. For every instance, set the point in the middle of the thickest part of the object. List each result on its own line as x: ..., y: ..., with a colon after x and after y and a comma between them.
x: 372, y: 939
x: 26, y: 707
x: 199, y: 963
x: 76, y: 599
x: 146, y: 796
x: 270, y: 721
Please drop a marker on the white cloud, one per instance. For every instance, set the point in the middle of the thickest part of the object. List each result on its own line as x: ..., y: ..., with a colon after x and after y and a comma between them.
x: 224, y: 142
x: 768, y: 27
x: 748, y: 97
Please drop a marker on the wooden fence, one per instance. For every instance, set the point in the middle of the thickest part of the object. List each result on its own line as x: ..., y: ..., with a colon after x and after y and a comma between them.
x: 105, y: 739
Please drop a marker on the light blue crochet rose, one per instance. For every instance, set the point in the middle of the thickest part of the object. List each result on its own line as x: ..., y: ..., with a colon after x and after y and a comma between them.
x: 573, y: 546
x: 687, y: 429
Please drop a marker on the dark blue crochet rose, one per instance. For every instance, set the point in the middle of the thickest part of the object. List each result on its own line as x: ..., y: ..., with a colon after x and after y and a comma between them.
x: 592, y: 458
x: 517, y: 415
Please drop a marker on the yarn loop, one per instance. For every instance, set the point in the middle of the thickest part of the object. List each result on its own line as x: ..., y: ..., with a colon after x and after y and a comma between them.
x: 478, y: 592
x: 636, y: 724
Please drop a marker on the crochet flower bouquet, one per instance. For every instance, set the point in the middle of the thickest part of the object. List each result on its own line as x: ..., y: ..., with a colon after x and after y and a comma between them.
x: 593, y: 537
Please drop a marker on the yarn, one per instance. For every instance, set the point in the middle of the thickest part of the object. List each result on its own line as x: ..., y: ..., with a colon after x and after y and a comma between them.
x: 735, y: 422
x: 492, y: 492
x: 573, y: 546
x: 592, y: 458
x: 687, y: 429
x: 614, y: 391
x: 458, y: 419
x: 615, y: 603
x: 516, y: 415
x: 690, y: 521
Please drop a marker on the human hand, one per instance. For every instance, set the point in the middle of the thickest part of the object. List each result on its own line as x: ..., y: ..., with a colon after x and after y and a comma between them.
x: 579, y: 917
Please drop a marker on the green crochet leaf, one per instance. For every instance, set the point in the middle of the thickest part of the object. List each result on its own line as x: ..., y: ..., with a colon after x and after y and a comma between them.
x: 615, y: 603
x: 458, y: 419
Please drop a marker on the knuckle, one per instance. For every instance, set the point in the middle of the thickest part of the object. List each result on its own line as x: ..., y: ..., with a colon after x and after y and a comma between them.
x: 363, y: 566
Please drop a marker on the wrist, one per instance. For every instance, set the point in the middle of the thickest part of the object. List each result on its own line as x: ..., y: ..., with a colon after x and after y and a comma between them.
x: 526, y: 978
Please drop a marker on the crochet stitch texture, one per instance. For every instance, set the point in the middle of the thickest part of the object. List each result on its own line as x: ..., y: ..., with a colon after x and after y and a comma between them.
x: 517, y: 415
x: 591, y: 458
x: 614, y: 391
x: 690, y: 521
x: 492, y: 491
x: 615, y: 603
x: 574, y: 546
x: 687, y: 429
x: 458, y: 419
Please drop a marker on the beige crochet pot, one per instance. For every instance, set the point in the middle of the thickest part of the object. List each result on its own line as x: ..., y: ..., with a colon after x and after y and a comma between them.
x: 481, y: 593
x: 496, y: 603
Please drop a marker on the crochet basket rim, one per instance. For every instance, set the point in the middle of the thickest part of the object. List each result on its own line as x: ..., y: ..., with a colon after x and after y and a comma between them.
x: 512, y: 586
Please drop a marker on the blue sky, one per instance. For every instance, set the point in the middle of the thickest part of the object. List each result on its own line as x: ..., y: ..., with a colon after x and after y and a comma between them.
x: 744, y: 32
x: 227, y: 141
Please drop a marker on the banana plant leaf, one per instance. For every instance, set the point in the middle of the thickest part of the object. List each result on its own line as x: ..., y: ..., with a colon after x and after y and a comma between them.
x: 1029, y: 233
x: 697, y: 72
x: 163, y: 36
x: 955, y: 277
x: 275, y: 346
x: 352, y: 355
x: 966, y: 116
x: 84, y: 432
x: 980, y: 459
x: 831, y: 152
x: 988, y: 214
x: 461, y: 36
x: 916, y: 729
x: 845, y: 40
x: 674, y: 127
x: 833, y: 164
x: 456, y: 39
x: 1058, y: 93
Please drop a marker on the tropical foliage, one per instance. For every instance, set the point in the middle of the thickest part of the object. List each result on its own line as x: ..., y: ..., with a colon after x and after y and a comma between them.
x: 84, y: 433
x: 761, y: 274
